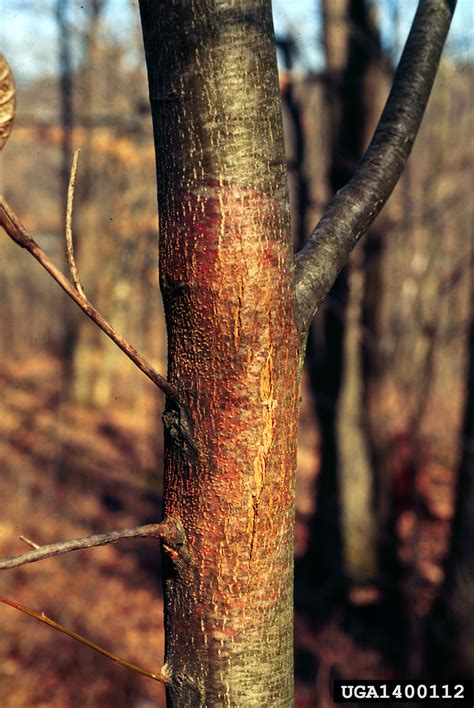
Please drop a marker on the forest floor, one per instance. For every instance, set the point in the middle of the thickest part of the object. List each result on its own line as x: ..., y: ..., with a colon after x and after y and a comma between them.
x: 68, y: 471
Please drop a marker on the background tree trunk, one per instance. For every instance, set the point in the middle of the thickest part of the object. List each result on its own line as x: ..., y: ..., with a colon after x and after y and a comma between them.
x: 226, y: 268
x: 451, y: 627
x: 460, y: 579
x: 66, y: 96
x: 90, y: 354
x: 343, y: 543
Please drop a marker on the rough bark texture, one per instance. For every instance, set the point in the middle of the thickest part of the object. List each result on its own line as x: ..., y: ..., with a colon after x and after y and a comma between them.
x: 226, y: 268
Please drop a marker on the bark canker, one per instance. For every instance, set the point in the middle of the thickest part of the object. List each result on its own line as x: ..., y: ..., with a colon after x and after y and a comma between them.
x: 226, y: 269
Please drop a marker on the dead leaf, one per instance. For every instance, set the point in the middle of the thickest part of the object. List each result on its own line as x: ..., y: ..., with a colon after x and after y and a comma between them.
x: 7, y: 101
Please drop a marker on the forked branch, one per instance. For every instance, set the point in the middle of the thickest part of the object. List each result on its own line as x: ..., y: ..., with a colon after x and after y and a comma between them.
x: 168, y: 530
x: 12, y: 226
x: 355, y: 207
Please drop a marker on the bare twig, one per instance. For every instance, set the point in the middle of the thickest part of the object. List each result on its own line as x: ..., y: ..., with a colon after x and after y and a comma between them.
x: 28, y: 541
x: 162, y: 678
x: 355, y: 207
x: 168, y: 530
x: 12, y: 226
x: 69, y: 243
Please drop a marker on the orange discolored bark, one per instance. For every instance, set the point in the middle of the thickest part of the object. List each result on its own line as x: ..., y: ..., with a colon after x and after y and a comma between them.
x: 233, y: 356
x: 226, y: 268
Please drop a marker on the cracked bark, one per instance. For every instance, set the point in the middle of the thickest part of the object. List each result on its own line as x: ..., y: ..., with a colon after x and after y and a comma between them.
x: 226, y: 268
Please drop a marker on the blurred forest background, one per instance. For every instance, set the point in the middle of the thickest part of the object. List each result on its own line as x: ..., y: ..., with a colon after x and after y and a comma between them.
x: 385, y: 493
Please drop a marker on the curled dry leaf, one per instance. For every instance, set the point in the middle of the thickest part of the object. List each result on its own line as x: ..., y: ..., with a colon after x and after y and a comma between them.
x: 7, y: 101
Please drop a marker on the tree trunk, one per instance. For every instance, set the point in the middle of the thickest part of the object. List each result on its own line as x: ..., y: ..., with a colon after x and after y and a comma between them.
x: 66, y: 96
x: 460, y: 579
x: 343, y: 545
x: 91, y: 356
x: 226, y: 266
x: 357, y: 517
x: 237, y: 312
x: 451, y: 628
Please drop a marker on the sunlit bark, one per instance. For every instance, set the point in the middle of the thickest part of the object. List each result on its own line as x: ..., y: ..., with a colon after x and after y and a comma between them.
x: 226, y: 275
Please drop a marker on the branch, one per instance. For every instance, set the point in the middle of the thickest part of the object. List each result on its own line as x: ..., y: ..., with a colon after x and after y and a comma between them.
x: 28, y: 541
x: 69, y: 244
x: 168, y: 530
x: 12, y: 226
x: 354, y: 208
x: 162, y: 678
